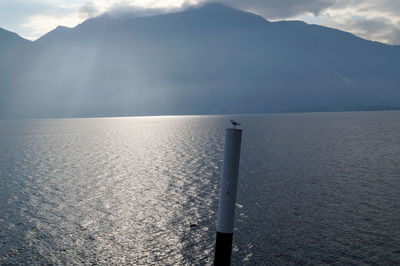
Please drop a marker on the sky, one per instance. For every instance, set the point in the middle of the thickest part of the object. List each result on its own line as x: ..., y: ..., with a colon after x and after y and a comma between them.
x: 377, y: 20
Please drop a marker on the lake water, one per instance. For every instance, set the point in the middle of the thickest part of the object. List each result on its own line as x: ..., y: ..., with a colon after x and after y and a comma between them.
x: 316, y: 188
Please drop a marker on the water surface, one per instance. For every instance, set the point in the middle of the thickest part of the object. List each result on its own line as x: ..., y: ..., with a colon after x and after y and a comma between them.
x: 317, y: 188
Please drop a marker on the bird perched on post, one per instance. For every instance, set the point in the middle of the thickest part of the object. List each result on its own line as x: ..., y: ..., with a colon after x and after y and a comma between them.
x: 234, y: 123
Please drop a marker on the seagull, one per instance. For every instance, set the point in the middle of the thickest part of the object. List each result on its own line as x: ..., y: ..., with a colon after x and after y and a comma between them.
x: 234, y: 123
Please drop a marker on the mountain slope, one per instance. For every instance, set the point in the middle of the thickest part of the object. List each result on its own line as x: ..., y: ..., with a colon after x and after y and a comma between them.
x: 212, y: 59
x: 14, y: 51
x: 9, y: 39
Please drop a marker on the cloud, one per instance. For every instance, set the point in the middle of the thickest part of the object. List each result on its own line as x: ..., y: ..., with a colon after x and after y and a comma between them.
x: 120, y: 10
x: 267, y: 8
x: 377, y: 20
x: 150, y: 7
x: 41, y: 24
x: 88, y: 10
x: 274, y: 9
x: 58, y: 13
x: 373, y: 29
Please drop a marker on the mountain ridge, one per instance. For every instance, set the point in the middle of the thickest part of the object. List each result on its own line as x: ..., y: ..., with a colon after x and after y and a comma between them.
x: 209, y: 59
x: 213, y: 6
x: 9, y: 39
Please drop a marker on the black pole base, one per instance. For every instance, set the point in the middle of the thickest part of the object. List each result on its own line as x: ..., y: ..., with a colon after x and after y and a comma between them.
x: 223, y: 249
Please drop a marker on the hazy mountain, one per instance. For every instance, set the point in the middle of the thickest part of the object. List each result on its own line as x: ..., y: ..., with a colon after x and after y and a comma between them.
x: 14, y: 51
x: 211, y: 59
x: 9, y: 40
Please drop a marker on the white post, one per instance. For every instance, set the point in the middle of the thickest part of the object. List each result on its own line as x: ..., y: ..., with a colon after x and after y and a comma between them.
x: 227, y: 197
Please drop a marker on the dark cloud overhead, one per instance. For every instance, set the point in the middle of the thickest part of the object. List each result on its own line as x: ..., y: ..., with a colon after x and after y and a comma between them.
x: 120, y: 10
x: 282, y: 8
x: 89, y: 9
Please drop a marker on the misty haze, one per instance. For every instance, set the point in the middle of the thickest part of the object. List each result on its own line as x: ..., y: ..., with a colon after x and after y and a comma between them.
x: 206, y: 60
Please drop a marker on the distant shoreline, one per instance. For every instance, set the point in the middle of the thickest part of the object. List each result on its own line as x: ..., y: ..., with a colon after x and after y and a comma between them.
x: 209, y: 114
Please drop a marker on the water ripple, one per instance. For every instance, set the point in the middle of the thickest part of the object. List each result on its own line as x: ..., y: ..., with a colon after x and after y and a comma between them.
x: 314, y: 189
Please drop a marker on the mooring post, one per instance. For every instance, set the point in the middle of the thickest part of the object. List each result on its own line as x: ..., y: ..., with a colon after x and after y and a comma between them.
x: 227, y: 197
